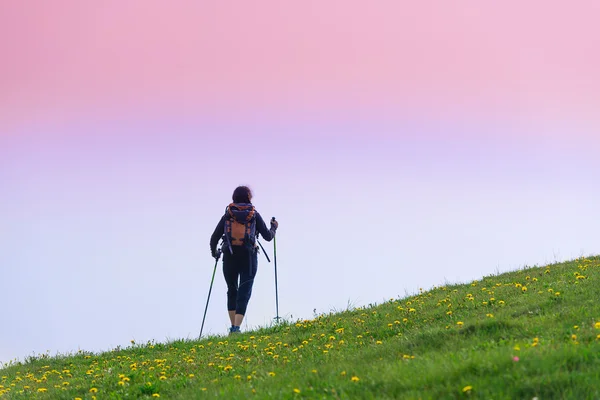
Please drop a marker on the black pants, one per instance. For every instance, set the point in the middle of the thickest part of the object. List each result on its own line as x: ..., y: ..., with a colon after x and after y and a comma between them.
x: 239, y: 270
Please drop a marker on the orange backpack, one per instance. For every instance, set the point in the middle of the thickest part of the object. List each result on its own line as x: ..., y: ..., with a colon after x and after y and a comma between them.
x: 240, y: 225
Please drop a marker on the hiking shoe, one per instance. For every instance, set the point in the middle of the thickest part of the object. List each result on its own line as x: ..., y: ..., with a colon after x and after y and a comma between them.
x: 234, y: 329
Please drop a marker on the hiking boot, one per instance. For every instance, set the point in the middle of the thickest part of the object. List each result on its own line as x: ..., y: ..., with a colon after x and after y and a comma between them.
x: 234, y: 330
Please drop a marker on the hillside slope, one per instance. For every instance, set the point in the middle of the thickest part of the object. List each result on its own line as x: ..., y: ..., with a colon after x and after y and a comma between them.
x: 532, y: 333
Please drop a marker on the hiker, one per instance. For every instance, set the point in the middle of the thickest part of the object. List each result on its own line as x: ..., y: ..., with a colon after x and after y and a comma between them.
x: 239, y: 227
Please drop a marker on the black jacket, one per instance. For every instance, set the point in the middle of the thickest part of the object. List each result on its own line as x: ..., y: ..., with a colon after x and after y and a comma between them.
x: 261, y: 228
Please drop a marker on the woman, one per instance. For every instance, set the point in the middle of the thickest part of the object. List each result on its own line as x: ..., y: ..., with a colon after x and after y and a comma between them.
x: 239, y: 227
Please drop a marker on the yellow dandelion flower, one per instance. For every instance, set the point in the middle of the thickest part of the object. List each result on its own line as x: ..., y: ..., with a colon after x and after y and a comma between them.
x: 489, y: 315
x: 379, y: 342
x: 467, y: 389
x: 460, y: 323
x: 597, y: 325
x: 404, y: 319
x: 271, y: 373
x: 314, y: 371
x: 42, y: 390
x: 296, y: 390
x: 557, y: 294
x: 355, y: 379
x: 574, y: 337
x: 576, y: 327
x: 93, y: 390
x: 155, y: 395
x: 449, y: 312
x: 524, y: 288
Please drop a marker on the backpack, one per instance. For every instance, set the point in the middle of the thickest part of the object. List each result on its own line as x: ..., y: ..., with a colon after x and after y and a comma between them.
x: 240, y: 225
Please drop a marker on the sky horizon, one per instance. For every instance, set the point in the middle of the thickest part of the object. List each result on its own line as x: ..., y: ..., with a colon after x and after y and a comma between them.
x: 399, y: 145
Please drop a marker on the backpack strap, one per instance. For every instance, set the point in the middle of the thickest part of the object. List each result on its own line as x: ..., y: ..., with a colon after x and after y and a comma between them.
x: 227, y: 230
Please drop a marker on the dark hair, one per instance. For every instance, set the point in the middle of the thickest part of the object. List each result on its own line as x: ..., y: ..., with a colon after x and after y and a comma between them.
x: 242, y: 194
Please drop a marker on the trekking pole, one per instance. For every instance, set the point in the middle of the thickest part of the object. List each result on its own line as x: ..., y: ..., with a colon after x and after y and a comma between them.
x: 209, y: 290
x: 275, y: 260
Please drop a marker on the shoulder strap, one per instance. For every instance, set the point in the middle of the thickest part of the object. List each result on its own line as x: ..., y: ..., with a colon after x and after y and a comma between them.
x: 227, y: 229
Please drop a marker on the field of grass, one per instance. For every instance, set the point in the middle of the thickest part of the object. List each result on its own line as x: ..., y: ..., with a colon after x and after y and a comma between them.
x: 532, y: 333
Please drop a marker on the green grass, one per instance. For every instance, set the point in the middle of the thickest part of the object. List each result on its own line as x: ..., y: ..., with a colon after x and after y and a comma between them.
x: 456, y: 341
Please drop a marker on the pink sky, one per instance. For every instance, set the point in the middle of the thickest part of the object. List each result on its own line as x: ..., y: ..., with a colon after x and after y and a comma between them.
x: 64, y: 59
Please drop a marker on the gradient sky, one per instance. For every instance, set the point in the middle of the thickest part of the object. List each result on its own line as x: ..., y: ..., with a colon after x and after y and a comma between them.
x: 401, y: 145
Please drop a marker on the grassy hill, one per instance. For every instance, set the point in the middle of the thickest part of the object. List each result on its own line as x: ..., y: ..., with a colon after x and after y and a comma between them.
x: 532, y: 333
